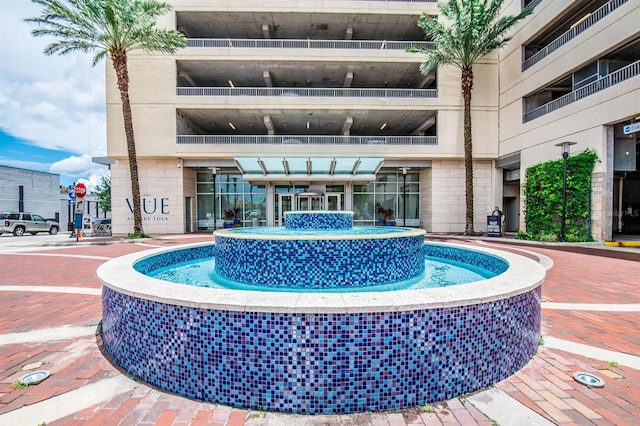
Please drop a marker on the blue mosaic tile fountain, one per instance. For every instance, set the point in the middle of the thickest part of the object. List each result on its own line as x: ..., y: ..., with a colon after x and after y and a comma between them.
x: 377, y: 352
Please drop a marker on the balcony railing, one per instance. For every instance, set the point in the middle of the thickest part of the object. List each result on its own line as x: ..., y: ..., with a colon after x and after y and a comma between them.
x: 533, y: 4
x: 595, y: 16
x: 306, y: 140
x: 294, y: 92
x: 609, y: 80
x: 306, y: 43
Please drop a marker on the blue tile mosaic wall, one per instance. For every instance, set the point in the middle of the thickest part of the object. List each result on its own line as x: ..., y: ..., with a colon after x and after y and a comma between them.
x: 481, y: 260
x: 321, y: 363
x: 169, y: 258
x: 318, y: 220
x: 324, y: 263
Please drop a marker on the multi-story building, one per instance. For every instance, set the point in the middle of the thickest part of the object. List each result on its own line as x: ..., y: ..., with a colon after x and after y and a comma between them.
x: 278, y: 106
x: 572, y: 73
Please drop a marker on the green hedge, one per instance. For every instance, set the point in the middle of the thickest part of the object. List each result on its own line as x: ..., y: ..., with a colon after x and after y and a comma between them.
x: 543, y: 198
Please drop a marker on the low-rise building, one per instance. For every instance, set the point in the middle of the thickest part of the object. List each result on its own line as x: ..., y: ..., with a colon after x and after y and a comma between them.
x: 23, y: 190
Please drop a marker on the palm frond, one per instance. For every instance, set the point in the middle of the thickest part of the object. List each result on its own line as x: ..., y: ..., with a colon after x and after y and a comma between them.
x: 473, y: 29
x: 104, y: 26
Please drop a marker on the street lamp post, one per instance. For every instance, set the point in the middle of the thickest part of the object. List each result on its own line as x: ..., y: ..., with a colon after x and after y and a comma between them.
x: 214, y: 171
x: 404, y: 196
x: 565, y: 147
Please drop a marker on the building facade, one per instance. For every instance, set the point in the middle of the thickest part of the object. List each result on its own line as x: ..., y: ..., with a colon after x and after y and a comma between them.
x: 23, y: 190
x: 316, y: 105
x: 572, y: 73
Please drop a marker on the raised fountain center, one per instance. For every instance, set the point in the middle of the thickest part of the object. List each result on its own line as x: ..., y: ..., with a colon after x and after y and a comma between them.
x: 319, y: 250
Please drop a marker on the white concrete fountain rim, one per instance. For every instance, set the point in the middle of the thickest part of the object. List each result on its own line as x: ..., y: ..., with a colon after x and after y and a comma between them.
x: 321, y: 235
x: 521, y: 276
x: 306, y: 212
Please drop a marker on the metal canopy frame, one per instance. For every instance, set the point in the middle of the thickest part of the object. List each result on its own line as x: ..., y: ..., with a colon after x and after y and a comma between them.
x: 314, y: 168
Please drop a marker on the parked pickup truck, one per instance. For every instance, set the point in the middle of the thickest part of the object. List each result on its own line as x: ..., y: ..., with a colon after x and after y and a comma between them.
x: 19, y: 223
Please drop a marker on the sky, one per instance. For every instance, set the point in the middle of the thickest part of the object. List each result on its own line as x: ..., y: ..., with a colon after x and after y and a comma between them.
x: 52, y: 108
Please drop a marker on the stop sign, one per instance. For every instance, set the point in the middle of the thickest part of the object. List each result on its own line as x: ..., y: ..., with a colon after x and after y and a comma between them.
x: 81, y: 190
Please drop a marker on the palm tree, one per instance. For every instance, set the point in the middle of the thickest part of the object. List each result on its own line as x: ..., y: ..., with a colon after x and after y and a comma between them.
x: 474, y: 30
x: 110, y: 28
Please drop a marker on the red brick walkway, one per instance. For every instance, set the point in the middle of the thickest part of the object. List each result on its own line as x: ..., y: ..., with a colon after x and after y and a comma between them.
x: 545, y: 385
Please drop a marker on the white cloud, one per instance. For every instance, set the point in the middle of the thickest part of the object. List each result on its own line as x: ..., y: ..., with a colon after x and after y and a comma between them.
x: 23, y: 164
x: 74, y: 166
x: 55, y: 102
x: 78, y: 166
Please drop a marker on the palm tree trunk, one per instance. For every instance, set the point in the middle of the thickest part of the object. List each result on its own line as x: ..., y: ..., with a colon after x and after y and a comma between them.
x: 120, y: 65
x: 467, y: 85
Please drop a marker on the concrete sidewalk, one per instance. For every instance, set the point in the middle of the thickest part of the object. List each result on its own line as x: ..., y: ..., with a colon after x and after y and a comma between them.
x: 50, y: 304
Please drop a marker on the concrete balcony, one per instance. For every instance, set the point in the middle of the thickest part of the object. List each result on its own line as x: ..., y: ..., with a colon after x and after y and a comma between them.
x: 587, y: 21
x: 598, y: 85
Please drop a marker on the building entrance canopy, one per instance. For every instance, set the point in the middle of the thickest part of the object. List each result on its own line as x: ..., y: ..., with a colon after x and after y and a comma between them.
x: 309, y: 168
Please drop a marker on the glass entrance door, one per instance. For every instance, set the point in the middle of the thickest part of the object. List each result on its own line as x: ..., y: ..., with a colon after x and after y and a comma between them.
x: 309, y: 201
x: 333, y: 202
x: 285, y: 204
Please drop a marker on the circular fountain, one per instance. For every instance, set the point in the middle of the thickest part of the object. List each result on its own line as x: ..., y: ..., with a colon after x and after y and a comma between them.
x: 319, y: 351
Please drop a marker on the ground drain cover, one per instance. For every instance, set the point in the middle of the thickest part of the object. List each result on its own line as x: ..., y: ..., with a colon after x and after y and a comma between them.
x: 34, y: 377
x: 588, y: 379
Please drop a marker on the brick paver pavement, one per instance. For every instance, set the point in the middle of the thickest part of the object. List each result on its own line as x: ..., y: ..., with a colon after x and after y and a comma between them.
x: 545, y: 385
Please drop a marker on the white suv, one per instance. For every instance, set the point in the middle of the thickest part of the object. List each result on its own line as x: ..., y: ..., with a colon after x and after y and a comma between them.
x: 19, y: 223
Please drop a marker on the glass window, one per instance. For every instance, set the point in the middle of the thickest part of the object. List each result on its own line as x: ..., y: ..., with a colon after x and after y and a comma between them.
x: 413, y: 177
x: 231, y: 183
x: 411, y: 187
x: 204, y: 177
x: 205, y: 188
x: 205, y: 211
x: 388, y: 191
x: 291, y: 188
x: 232, y: 192
x: 363, y: 188
x: 255, y: 206
x: 256, y: 189
x: 363, y: 207
x: 413, y: 201
x: 386, y: 183
x: 388, y: 201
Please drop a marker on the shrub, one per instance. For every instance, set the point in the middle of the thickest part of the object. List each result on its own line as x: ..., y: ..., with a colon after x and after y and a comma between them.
x: 543, y: 197
x: 548, y: 238
x: 523, y: 235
